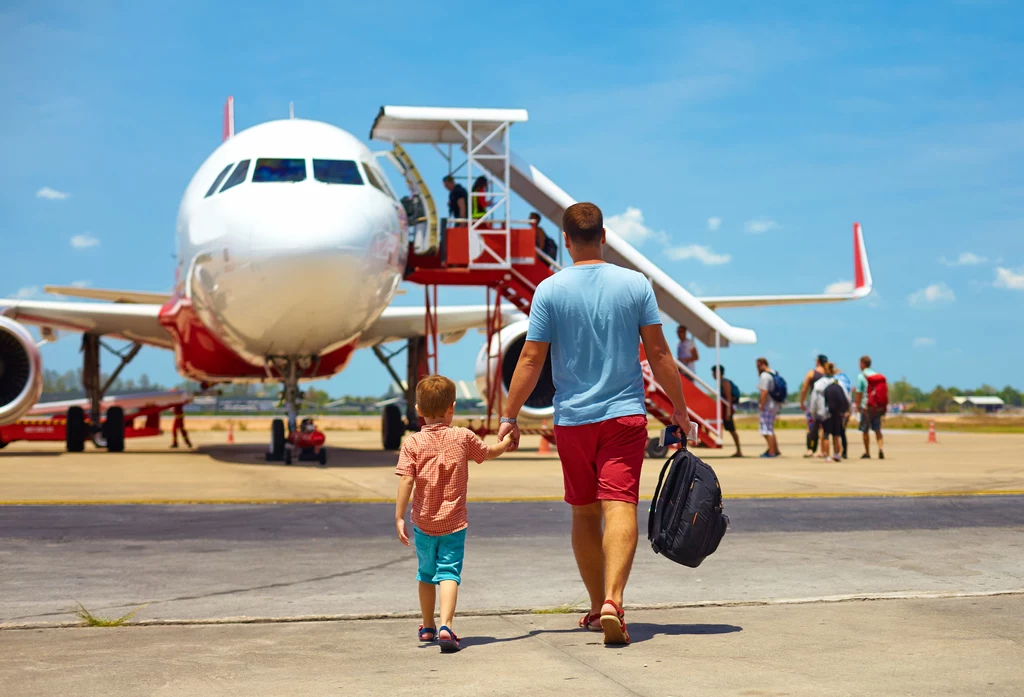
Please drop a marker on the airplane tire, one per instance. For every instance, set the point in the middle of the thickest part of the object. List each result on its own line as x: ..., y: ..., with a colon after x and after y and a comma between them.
x: 323, y: 457
x: 277, y: 439
x: 113, y: 430
x: 74, y: 430
x: 391, y: 427
x: 655, y: 450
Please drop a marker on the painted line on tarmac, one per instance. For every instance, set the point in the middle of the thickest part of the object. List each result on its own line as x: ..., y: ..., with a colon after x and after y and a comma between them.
x: 494, y: 499
x: 564, y: 609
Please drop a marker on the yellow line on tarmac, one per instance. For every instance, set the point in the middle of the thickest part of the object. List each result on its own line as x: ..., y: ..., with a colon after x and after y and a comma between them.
x: 489, y: 499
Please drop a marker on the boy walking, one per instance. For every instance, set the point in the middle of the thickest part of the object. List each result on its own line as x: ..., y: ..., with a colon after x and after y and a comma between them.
x: 434, y: 470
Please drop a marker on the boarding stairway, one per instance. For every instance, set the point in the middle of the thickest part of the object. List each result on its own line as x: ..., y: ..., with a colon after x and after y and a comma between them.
x: 500, y: 253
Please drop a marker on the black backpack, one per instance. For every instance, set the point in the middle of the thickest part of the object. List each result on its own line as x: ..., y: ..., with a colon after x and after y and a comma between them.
x: 835, y: 399
x: 686, y: 521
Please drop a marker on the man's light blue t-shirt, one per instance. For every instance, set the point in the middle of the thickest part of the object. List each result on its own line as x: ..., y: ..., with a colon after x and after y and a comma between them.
x: 591, y: 315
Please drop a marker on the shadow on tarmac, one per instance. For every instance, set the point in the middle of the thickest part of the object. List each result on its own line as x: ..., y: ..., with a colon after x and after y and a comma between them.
x: 638, y: 632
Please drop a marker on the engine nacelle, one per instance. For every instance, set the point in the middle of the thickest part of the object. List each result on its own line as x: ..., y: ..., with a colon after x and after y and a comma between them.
x: 21, y: 371
x: 508, y: 344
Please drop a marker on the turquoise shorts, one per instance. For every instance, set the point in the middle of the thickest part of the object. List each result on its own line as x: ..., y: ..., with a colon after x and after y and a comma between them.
x: 439, y: 557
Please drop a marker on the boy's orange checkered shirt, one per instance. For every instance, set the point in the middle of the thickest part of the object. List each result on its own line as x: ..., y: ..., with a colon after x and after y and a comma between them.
x: 438, y: 459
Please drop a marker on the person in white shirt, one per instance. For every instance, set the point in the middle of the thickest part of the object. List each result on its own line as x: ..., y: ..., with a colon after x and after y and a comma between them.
x: 768, y: 407
x: 686, y: 352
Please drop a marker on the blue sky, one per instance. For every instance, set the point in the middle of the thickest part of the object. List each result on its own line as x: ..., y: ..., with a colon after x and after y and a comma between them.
x: 738, y: 142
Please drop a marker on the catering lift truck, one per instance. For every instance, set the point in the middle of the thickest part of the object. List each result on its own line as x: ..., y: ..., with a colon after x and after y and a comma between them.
x: 499, y: 253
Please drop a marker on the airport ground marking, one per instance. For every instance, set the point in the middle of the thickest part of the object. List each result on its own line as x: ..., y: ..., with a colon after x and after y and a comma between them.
x: 270, y: 501
x: 513, y: 612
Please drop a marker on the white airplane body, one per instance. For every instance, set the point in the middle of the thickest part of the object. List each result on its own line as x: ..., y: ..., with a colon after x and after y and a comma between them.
x: 291, y: 246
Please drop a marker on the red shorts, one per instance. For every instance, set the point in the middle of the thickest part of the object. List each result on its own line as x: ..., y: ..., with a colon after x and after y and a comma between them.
x: 602, y: 461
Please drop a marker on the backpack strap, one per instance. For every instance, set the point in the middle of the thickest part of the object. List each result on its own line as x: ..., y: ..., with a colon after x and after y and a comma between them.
x: 653, y: 512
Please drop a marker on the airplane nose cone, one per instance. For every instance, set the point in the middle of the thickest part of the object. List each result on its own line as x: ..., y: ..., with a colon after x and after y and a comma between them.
x: 309, y: 279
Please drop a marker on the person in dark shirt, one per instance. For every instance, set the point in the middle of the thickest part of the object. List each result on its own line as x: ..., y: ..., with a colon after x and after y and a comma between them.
x: 457, y: 198
x: 544, y: 243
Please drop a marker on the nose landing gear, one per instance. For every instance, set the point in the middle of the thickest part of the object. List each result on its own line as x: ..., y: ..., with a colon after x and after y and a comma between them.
x: 303, y: 443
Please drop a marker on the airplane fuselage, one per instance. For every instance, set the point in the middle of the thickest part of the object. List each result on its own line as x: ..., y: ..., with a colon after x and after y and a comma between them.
x: 290, y: 244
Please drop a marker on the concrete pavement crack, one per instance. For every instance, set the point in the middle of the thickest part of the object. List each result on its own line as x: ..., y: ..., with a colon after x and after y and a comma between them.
x: 232, y: 591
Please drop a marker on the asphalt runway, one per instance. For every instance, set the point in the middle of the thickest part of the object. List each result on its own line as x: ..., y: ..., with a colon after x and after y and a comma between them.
x: 199, y: 562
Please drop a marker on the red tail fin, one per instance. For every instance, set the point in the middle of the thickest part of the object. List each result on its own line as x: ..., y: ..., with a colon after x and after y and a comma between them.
x: 229, y: 118
x: 862, y: 281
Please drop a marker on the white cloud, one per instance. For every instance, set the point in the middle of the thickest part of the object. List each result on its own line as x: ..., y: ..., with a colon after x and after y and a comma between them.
x: 51, y: 194
x: 27, y: 292
x: 630, y: 227
x: 83, y: 241
x: 759, y: 225
x: 80, y: 284
x: 924, y: 342
x: 704, y: 255
x: 695, y: 288
x: 1005, y: 278
x: 935, y: 293
x: 714, y: 223
x: 839, y: 287
x: 965, y: 259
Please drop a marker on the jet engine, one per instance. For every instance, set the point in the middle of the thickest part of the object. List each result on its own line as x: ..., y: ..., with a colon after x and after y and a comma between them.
x: 508, y: 344
x: 21, y: 371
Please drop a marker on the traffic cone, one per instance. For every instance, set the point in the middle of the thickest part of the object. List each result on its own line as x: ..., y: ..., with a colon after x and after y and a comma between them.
x: 931, y: 432
x: 545, y: 446
x: 231, y: 431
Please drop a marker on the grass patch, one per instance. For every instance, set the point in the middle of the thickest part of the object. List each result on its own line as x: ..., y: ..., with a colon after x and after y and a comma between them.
x: 566, y: 609
x: 91, y: 620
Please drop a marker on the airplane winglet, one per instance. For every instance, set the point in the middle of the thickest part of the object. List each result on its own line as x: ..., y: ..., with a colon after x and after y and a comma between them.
x: 229, y: 118
x: 862, y: 282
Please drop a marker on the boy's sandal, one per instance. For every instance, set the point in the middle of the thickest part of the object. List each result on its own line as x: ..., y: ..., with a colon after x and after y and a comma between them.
x: 614, y: 625
x: 427, y: 633
x: 449, y: 645
x: 591, y: 622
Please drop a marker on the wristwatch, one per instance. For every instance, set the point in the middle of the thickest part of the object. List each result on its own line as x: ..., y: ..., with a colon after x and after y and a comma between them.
x: 507, y: 420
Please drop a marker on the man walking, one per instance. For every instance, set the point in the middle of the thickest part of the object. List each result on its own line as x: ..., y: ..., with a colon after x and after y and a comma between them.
x: 730, y: 395
x: 813, y: 426
x: 593, y: 317
x: 871, y: 403
x: 768, y: 408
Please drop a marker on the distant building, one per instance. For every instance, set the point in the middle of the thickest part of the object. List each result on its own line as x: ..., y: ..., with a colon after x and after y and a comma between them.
x: 985, y: 403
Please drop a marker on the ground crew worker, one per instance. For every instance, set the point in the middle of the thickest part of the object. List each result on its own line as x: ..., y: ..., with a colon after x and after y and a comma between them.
x: 480, y: 201
x: 456, y: 198
x: 179, y: 425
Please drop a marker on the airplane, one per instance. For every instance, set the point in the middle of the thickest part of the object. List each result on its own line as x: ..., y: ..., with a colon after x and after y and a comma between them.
x: 291, y: 246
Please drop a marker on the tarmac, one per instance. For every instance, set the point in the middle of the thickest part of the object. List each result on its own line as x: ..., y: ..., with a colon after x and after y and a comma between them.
x: 902, y: 576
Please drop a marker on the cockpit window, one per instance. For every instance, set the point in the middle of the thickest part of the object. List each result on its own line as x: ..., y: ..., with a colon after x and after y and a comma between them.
x: 217, y: 181
x: 237, y: 177
x: 336, y: 172
x: 270, y: 169
x: 374, y: 180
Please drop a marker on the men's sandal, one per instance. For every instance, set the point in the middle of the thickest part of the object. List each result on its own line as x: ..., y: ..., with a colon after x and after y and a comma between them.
x: 449, y: 645
x: 591, y: 622
x: 614, y: 625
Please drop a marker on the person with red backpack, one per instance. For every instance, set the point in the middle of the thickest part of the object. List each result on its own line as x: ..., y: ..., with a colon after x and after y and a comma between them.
x: 872, y: 399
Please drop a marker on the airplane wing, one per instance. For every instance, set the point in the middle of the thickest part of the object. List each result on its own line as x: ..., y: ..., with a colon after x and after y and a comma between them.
x: 408, y: 322
x: 861, y: 286
x: 129, y: 403
x: 131, y: 321
x: 113, y: 296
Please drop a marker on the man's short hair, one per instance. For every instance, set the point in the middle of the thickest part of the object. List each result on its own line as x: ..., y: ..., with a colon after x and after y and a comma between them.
x: 763, y: 360
x: 434, y: 394
x: 866, y: 360
x: 583, y: 223
x: 534, y: 216
x: 717, y: 370
x: 822, y: 359
x: 448, y: 178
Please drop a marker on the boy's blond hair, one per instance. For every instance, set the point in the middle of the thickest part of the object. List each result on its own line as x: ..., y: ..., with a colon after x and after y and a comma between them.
x: 434, y: 394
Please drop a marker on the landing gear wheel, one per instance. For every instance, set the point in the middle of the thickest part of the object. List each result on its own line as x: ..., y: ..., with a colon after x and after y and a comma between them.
x: 391, y: 427
x: 113, y: 430
x: 655, y: 450
x: 276, y: 451
x: 323, y: 457
x: 74, y: 430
